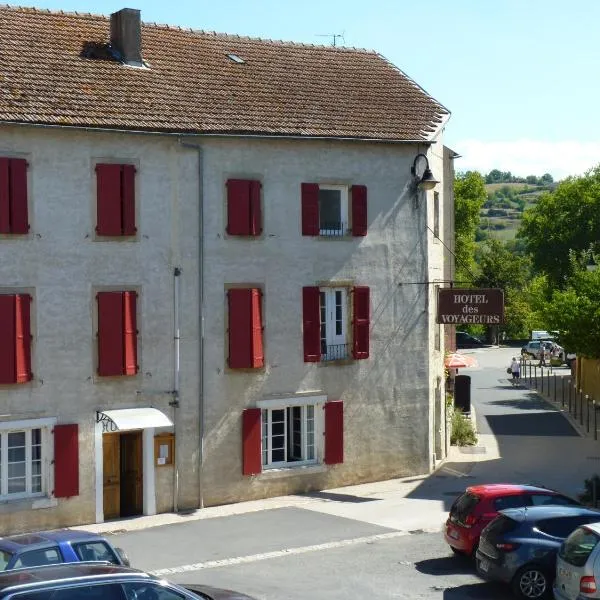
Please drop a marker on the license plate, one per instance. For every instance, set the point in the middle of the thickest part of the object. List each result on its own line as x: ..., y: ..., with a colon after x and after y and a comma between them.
x: 484, y: 565
x: 564, y: 573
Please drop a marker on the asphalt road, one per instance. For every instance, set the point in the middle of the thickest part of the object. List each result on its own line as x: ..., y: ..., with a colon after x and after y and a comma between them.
x: 293, y: 552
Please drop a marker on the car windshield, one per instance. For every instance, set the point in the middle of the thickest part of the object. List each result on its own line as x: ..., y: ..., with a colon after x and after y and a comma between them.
x: 578, y: 546
x: 4, y: 559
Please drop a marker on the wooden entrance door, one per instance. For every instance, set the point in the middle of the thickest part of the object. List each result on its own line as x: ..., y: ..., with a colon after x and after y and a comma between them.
x: 132, y: 502
x: 112, y: 475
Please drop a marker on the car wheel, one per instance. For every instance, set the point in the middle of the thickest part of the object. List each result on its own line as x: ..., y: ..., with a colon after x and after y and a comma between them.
x: 531, y: 582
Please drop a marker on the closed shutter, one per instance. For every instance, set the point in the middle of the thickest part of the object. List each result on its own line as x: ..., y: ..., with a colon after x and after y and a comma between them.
x: 359, y: 210
x: 361, y: 322
x: 19, y: 220
x: 23, y: 338
x: 130, y: 333
x: 238, y: 207
x: 258, y: 355
x: 311, y: 321
x: 128, y: 199
x: 310, y: 209
x: 110, y: 334
x: 255, y: 209
x: 334, y: 432
x: 4, y: 195
x: 251, y: 441
x: 240, y: 328
x: 8, y: 365
x: 66, y: 460
x: 108, y: 199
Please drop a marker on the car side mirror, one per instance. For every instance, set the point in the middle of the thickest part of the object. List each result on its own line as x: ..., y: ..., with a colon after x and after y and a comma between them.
x: 123, y: 556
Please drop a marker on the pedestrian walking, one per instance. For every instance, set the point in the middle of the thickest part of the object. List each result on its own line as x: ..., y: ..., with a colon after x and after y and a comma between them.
x: 515, y: 369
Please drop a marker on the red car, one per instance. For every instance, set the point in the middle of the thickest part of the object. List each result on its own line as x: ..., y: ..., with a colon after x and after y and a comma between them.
x: 479, y: 504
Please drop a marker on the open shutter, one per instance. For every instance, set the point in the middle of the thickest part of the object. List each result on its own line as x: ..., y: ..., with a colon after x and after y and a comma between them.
x: 255, y: 210
x: 361, y: 322
x: 19, y: 220
x: 4, y: 195
x: 334, y: 432
x: 311, y: 320
x: 8, y: 365
x: 238, y: 207
x: 128, y: 199
x: 310, y: 209
x: 240, y: 328
x: 23, y: 338
x: 110, y: 333
x: 359, y: 210
x: 66, y: 460
x: 258, y: 355
x: 130, y: 333
x: 251, y: 441
x: 108, y: 199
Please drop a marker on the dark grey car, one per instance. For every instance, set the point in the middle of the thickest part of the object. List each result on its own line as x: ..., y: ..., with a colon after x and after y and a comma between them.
x: 100, y: 581
x: 519, y: 547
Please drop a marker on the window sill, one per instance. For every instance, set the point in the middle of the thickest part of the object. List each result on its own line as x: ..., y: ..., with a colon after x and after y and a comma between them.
x: 22, y: 504
x: 337, y: 363
x: 281, y: 473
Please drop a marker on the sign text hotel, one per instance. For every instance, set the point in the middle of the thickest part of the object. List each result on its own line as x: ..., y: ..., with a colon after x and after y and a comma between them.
x: 470, y: 307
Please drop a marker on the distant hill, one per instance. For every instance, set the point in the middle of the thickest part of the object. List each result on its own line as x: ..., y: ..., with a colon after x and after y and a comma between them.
x: 502, y: 212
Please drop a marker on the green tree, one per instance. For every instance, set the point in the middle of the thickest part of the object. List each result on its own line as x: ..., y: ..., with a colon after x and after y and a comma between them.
x: 565, y: 219
x: 546, y: 179
x: 469, y: 197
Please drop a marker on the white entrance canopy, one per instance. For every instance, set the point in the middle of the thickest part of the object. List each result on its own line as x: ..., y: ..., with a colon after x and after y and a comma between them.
x: 125, y: 419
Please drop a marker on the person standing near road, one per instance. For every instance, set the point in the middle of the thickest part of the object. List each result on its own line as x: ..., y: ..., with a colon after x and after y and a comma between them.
x: 515, y: 369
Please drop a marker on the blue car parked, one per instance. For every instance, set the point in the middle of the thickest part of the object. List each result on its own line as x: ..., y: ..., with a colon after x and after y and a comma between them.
x: 54, y: 547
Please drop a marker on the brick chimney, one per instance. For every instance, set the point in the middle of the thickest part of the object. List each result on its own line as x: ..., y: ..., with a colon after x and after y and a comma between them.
x: 126, y: 35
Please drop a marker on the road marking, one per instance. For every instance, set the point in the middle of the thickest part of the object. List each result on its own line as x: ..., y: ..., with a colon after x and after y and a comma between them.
x: 225, y: 562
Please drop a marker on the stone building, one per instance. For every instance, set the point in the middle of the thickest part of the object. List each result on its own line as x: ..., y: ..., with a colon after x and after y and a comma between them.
x: 217, y: 268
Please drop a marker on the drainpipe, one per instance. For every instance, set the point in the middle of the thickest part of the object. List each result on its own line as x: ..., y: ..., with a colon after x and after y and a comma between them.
x: 201, y: 431
x: 175, y: 401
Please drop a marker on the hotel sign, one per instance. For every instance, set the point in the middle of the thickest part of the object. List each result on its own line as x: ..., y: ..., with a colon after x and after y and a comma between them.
x: 470, y: 307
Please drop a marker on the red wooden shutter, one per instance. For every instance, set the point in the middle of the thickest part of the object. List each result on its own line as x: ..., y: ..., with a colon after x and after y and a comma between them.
x: 361, y: 322
x: 359, y: 210
x: 66, y: 460
x: 108, y: 200
x: 4, y: 195
x: 240, y: 328
x: 130, y: 333
x: 251, y: 441
x: 311, y: 319
x: 310, y: 209
x: 334, y: 432
x: 110, y: 333
x: 128, y: 199
x: 19, y: 220
x: 8, y: 361
x: 255, y: 210
x: 22, y: 338
x: 258, y: 355
x: 238, y: 207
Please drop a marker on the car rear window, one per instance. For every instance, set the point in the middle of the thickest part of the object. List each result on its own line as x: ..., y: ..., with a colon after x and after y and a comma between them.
x: 578, y: 546
x: 463, y: 506
x: 500, y: 525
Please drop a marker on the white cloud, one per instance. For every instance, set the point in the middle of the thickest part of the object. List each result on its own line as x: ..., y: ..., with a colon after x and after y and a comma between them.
x: 528, y: 157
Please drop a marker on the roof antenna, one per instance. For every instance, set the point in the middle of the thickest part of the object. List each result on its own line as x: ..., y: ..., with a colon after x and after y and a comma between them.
x: 334, y: 37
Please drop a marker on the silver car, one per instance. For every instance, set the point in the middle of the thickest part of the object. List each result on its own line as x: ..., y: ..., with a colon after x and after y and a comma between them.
x: 578, y: 565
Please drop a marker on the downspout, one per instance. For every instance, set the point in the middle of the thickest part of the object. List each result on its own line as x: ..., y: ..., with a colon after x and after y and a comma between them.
x: 201, y: 430
x: 176, y: 370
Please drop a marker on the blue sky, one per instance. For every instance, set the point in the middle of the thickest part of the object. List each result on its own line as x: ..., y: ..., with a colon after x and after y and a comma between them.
x: 521, y: 77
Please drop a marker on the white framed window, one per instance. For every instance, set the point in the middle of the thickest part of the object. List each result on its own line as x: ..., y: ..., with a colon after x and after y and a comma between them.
x: 23, y: 462
x: 334, y: 323
x: 333, y: 210
x: 291, y: 432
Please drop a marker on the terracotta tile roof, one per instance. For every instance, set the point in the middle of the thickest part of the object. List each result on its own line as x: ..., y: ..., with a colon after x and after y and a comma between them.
x: 192, y: 86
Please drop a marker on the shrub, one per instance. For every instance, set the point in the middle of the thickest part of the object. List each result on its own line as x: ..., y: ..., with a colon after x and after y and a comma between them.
x: 462, y: 433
